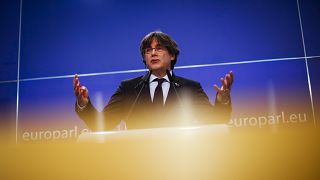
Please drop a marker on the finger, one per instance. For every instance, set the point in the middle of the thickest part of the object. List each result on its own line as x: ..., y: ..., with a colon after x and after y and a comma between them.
x: 76, y: 84
x: 216, y: 87
x: 80, y: 94
x: 231, y: 80
x: 75, y: 79
x: 224, y: 86
x: 85, y: 92
x: 78, y: 91
x: 228, y: 78
x: 77, y: 88
x: 231, y: 75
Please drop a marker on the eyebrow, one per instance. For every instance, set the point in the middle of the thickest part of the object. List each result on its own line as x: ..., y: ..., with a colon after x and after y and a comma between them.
x: 158, y: 45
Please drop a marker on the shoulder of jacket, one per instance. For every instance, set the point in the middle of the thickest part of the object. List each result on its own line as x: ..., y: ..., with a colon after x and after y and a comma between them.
x: 131, y: 82
x: 186, y: 81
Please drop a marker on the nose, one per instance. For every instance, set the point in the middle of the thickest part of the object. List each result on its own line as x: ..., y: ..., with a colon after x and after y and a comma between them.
x: 153, y: 51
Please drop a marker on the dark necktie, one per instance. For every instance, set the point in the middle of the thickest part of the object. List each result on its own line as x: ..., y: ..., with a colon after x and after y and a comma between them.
x: 158, y: 95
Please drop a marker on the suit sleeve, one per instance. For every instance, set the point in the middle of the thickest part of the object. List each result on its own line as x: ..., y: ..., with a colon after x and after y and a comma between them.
x: 208, y: 113
x: 117, y: 108
x: 111, y: 115
x: 88, y: 114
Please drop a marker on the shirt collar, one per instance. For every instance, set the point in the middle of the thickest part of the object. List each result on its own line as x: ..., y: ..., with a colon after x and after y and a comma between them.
x: 153, y: 77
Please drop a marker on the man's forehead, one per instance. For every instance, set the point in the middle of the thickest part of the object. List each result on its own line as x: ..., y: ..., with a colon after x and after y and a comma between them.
x: 154, y: 42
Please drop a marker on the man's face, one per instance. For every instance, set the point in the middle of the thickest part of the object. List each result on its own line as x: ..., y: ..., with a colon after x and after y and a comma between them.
x: 157, y: 57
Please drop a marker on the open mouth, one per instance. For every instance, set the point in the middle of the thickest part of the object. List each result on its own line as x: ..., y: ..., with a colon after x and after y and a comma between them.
x: 153, y: 61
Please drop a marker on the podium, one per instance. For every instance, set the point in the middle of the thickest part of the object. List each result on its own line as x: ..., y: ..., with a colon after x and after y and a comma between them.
x: 205, y: 152
x: 199, y: 152
x: 155, y: 133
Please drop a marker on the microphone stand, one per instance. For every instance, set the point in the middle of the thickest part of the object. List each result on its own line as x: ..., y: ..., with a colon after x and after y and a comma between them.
x: 144, y: 82
x: 174, y: 87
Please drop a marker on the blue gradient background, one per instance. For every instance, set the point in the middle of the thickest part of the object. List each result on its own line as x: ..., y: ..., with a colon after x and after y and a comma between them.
x: 60, y: 38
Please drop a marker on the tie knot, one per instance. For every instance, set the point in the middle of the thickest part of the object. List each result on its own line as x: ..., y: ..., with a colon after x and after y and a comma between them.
x: 160, y: 81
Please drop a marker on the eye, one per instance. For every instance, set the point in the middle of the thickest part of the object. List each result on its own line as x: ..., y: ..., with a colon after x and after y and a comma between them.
x: 159, y: 48
x: 148, y: 50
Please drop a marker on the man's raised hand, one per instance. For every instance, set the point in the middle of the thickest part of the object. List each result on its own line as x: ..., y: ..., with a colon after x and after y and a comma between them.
x: 81, y: 92
x: 224, y: 91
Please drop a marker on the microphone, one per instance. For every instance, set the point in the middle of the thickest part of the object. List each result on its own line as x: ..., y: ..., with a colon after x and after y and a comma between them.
x: 142, y: 84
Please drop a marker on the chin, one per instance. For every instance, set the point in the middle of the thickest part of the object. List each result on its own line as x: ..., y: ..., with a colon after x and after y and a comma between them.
x: 155, y: 68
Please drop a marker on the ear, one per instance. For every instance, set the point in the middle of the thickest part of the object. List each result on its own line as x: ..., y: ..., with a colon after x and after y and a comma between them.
x: 172, y: 57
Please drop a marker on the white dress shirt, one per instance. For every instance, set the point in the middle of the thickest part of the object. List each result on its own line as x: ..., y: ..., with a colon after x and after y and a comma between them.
x: 165, y: 87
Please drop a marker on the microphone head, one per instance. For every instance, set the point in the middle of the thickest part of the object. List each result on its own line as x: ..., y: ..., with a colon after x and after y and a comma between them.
x: 169, y: 74
x: 147, y: 77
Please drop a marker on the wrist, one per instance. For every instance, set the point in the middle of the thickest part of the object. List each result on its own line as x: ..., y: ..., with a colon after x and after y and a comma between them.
x: 224, y: 97
x: 81, y: 104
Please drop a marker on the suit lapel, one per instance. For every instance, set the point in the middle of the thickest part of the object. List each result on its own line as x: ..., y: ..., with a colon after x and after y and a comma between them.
x: 143, y: 83
x: 146, y: 98
x: 173, y: 91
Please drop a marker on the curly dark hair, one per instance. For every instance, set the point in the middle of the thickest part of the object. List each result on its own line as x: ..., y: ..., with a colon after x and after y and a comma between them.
x: 163, y: 40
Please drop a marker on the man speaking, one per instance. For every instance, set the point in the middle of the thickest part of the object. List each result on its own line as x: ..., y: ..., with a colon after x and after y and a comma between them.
x: 159, y: 98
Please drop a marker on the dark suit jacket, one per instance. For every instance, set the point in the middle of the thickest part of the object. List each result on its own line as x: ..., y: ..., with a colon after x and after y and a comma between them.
x: 186, y: 104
